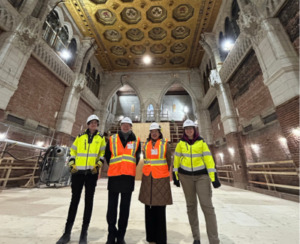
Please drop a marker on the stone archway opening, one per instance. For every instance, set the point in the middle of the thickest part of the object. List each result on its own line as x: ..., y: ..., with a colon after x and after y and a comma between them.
x: 177, y: 105
x: 125, y: 103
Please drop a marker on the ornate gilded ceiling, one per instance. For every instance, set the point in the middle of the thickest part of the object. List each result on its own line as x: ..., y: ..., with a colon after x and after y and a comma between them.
x: 126, y: 30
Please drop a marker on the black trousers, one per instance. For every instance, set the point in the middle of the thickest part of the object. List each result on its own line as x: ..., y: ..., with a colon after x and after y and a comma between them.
x: 111, y: 216
x: 156, y: 227
x: 78, y: 181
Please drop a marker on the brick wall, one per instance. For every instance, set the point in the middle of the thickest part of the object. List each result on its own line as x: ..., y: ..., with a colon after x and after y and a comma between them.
x: 288, y: 117
x: 39, y: 95
x: 269, y: 145
x: 289, y: 17
x: 83, y: 112
x: 250, y: 96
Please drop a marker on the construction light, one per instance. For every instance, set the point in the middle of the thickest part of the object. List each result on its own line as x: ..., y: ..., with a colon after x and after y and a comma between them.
x: 40, y: 143
x: 2, y: 136
x: 231, y: 150
x: 296, y: 132
x: 65, y: 54
x: 255, y: 148
x: 147, y: 59
x: 221, y: 156
x: 228, y: 45
x: 282, y: 140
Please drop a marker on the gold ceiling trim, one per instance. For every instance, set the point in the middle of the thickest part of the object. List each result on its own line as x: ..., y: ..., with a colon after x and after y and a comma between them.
x: 167, y: 30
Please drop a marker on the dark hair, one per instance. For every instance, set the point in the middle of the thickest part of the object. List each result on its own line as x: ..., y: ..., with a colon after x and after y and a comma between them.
x: 160, y: 136
x: 92, y: 120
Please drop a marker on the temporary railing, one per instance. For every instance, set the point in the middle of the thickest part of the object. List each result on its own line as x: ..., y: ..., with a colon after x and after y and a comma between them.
x: 271, y: 169
x: 225, y: 172
x: 9, y: 164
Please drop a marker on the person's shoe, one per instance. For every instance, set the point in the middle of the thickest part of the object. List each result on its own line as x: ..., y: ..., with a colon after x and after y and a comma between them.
x: 110, y: 242
x: 196, y: 242
x: 64, y: 239
x: 83, y: 238
x: 121, y: 242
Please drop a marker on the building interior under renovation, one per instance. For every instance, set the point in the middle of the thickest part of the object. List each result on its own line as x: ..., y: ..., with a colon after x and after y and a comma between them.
x: 231, y: 66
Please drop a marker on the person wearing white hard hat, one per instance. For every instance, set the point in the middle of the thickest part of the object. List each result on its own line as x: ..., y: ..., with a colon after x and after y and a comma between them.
x: 194, y: 168
x: 122, y: 155
x: 85, y: 162
x: 155, y: 191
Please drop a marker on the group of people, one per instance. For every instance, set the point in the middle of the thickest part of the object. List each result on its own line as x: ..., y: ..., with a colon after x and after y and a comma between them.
x: 193, y: 168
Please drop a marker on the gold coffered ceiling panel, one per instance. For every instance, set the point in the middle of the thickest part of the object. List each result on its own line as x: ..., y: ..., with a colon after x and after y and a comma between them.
x: 126, y: 30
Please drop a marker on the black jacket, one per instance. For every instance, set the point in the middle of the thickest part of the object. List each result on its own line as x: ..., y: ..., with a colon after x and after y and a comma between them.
x: 122, y: 183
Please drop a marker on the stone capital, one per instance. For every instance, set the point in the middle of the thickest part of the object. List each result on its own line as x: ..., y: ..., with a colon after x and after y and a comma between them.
x: 27, y: 34
x: 250, y: 23
x: 214, y: 78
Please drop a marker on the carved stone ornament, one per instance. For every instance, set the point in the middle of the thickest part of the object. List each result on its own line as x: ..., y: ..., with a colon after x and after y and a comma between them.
x: 138, y: 49
x: 122, y: 62
x: 27, y: 34
x: 250, y: 23
x: 105, y: 17
x: 118, y: 50
x: 214, y: 78
x: 112, y: 35
x: 80, y: 82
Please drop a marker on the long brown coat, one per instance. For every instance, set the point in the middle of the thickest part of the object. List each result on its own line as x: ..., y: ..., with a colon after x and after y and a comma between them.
x: 156, y: 192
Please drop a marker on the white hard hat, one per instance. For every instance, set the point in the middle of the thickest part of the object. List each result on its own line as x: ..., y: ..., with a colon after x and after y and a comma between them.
x: 92, y: 117
x: 154, y: 126
x: 189, y: 122
x: 126, y: 120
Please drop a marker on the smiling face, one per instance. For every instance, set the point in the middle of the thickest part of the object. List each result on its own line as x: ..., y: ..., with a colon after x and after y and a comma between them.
x: 154, y: 134
x: 125, y: 127
x: 190, y: 131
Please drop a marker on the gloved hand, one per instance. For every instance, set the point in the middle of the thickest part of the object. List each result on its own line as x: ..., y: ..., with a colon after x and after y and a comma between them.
x: 97, y: 167
x: 216, y: 183
x: 175, y: 179
x: 73, y: 167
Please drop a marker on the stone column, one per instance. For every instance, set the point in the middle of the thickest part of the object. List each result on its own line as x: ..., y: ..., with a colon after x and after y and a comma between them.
x: 228, y: 116
x: 67, y: 114
x: 102, y: 114
x: 204, y: 125
x: 143, y: 115
x: 157, y: 115
x: 210, y: 46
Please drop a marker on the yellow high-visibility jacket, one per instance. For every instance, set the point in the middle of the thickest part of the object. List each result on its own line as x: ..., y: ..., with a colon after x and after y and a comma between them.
x: 86, y: 154
x: 194, y: 159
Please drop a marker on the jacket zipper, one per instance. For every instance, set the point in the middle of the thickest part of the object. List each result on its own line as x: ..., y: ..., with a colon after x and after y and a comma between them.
x: 151, y: 184
x: 191, y: 158
x: 87, y: 156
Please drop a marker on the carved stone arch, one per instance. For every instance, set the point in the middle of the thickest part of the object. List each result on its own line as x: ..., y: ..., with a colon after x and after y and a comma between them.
x: 77, y: 39
x: 117, y: 87
x: 60, y: 14
x: 153, y: 102
x: 186, y: 87
x: 70, y: 30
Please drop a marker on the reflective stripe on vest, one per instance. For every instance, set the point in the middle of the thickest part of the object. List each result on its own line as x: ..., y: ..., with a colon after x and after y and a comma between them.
x: 155, y: 159
x: 123, y: 160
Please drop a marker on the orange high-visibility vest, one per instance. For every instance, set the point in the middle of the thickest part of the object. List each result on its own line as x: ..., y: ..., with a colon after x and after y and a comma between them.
x: 155, y: 159
x: 123, y: 160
